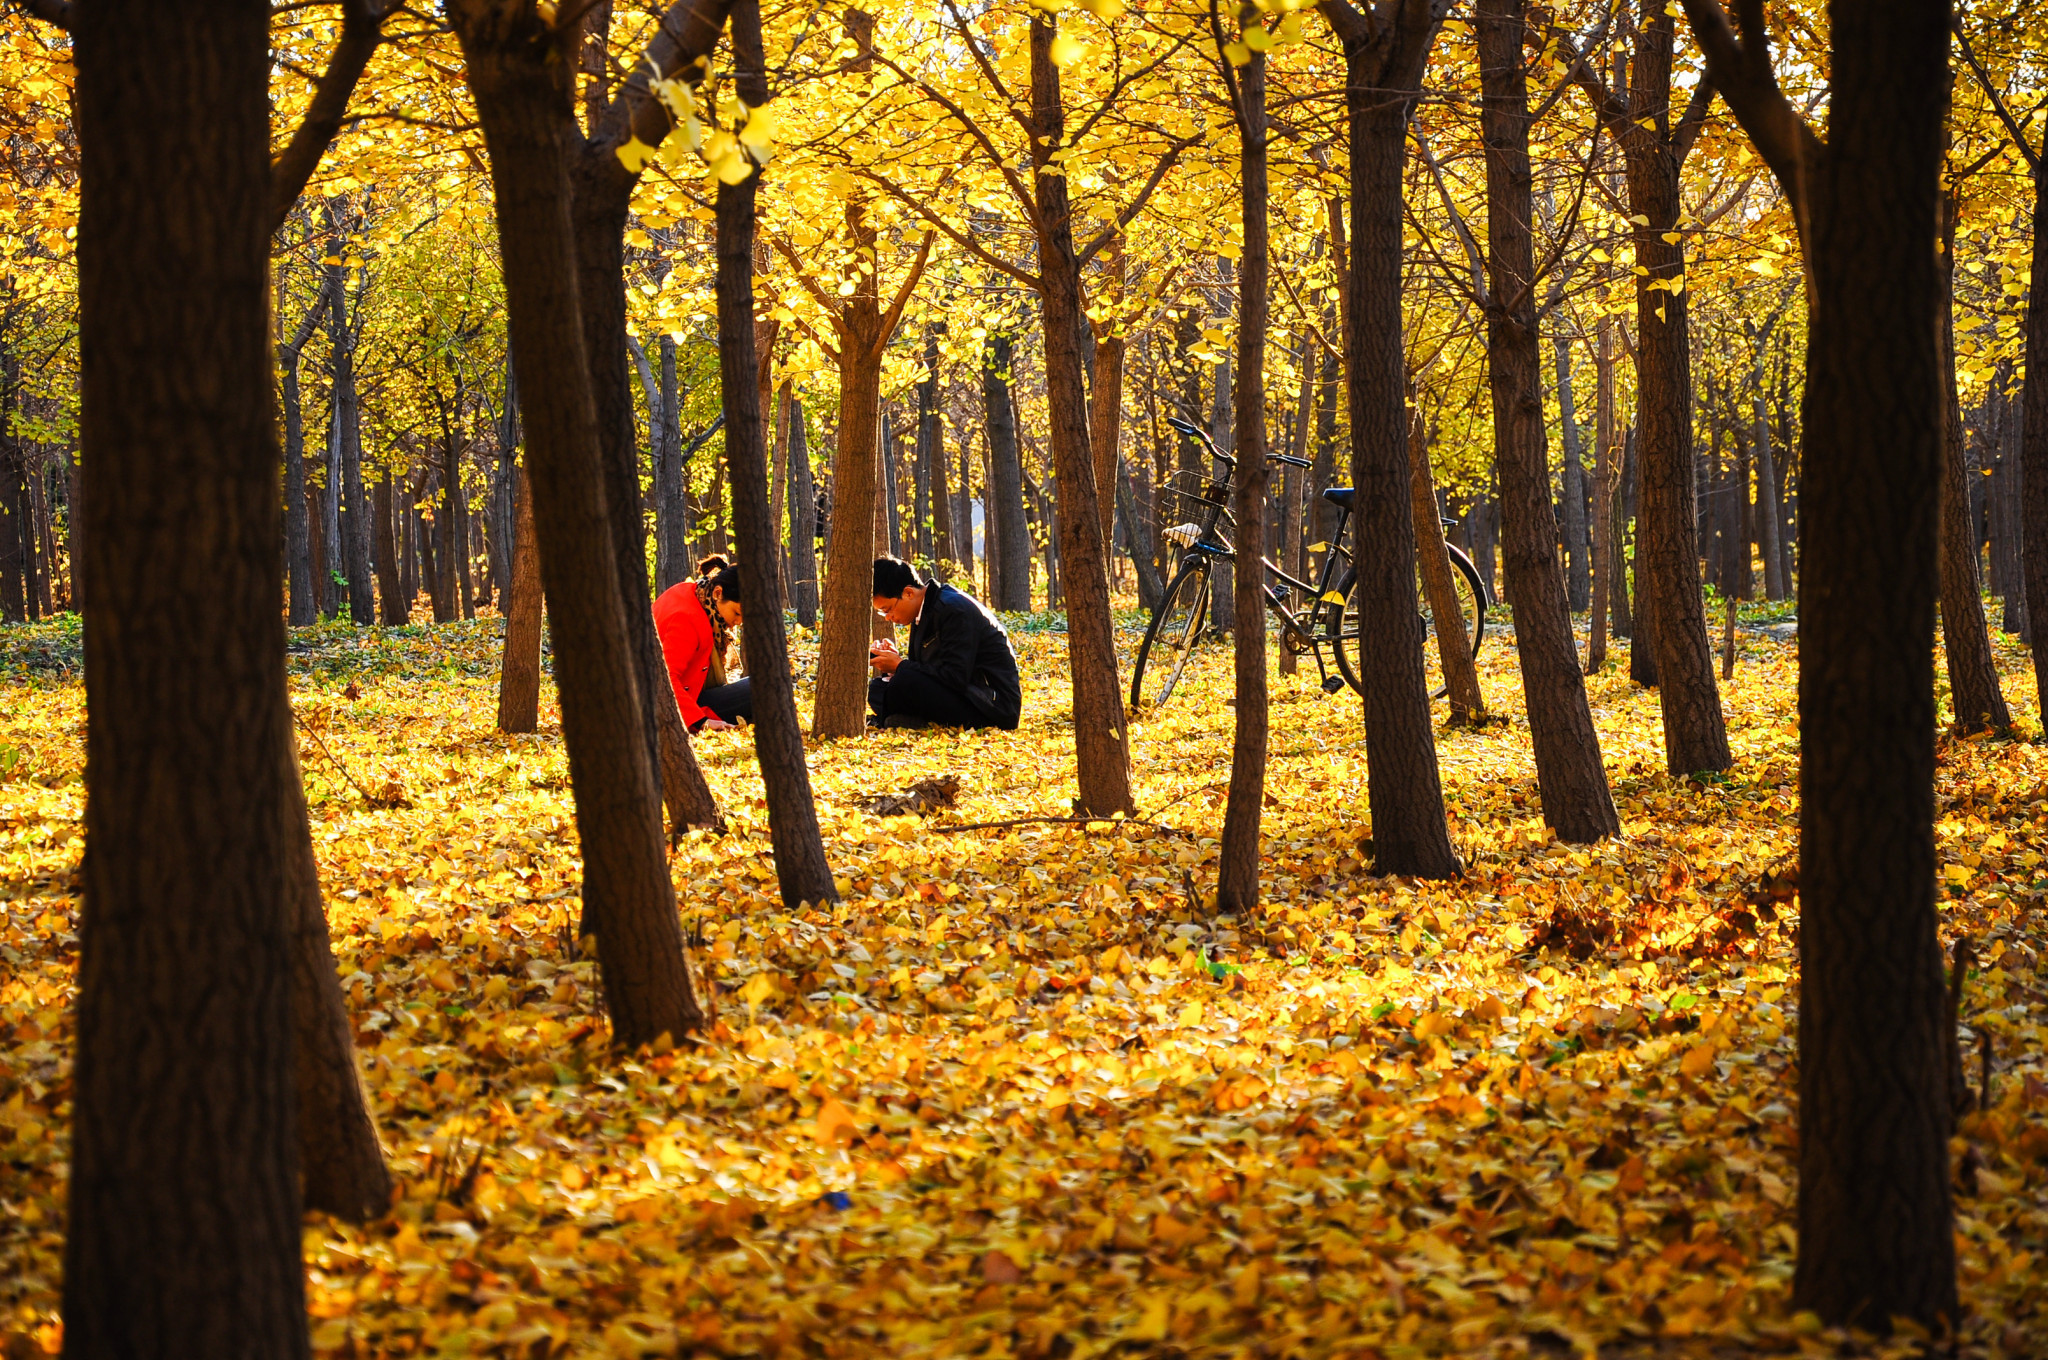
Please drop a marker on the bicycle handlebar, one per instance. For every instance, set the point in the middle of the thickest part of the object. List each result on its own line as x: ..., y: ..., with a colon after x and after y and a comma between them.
x: 1194, y: 431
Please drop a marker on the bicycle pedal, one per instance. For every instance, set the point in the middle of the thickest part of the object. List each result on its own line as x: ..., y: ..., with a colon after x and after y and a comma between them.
x: 1332, y: 683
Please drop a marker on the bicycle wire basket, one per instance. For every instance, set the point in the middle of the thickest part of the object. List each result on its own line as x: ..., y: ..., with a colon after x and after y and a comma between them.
x: 1187, y: 513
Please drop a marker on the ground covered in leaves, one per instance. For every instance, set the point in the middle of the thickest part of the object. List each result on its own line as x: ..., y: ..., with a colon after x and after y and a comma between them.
x: 1020, y: 1094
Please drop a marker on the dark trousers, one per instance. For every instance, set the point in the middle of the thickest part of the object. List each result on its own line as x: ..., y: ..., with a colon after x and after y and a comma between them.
x: 912, y: 693
x: 733, y: 703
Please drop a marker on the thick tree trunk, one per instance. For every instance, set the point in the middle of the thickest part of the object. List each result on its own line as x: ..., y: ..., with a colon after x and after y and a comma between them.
x: 1237, y: 870
x: 521, y: 88
x: 1009, y: 559
x: 1876, y: 1236
x: 1409, y: 832
x: 1102, y: 753
x: 519, y: 671
x: 800, y: 867
x: 1454, y: 648
x: 184, y: 1196
x: 1569, y: 774
x: 1974, y: 695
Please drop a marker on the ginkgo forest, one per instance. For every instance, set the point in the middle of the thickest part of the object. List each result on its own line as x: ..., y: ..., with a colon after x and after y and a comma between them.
x: 1023, y: 678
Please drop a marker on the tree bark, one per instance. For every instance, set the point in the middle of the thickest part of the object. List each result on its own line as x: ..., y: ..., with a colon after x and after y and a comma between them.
x: 519, y: 671
x: 1876, y: 1220
x: 1102, y: 753
x: 1606, y: 470
x: 184, y: 1196
x: 1383, y: 71
x: 1003, y: 516
x: 520, y: 79
x: 352, y: 520
x: 1237, y: 870
x: 671, y: 501
x: 1578, y: 574
x: 390, y: 597
x: 1569, y: 773
x: 803, y: 520
x: 1975, y: 698
x: 1454, y: 649
x: 800, y: 867
x: 2033, y: 455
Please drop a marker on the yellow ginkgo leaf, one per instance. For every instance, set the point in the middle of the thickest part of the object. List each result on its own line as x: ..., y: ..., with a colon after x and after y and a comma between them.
x: 635, y: 154
x: 1066, y: 50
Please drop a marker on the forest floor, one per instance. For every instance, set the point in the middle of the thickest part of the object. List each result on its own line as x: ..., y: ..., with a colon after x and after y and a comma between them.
x: 1020, y: 1094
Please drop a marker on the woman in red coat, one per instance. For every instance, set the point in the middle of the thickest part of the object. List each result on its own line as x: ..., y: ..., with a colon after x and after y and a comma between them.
x: 695, y: 620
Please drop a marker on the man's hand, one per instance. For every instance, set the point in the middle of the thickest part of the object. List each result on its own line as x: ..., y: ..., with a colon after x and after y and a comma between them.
x: 883, y: 657
x: 716, y: 725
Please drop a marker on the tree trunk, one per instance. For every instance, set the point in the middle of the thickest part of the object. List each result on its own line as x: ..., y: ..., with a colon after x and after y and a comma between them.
x: 183, y: 1198
x: 1974, y: 695
x: 803, y: 520
x: 519, y: 671
x: 1409, y: 832
x: 352, y: 519
x: 800, y: 867
x: 1768, y: 523
x: 671, y: 503
x: 1569, y: 774
x: 1009, y: 560
x: 1606, y: 471
x: 1873, y: 1097
x: 2033, y: 445
x: 1102, y: 753
x: 298, y: 555
x: 1237, y: 870
x: 521, y: 87
x: 601, y: 194
x: 1667, y: 529
x: 839, y: 708
x: 1454, y: 648
x: 1578, y: 573
x: 391, y: 597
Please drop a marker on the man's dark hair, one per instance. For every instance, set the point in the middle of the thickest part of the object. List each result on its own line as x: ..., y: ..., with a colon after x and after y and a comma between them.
x: 893, y: 576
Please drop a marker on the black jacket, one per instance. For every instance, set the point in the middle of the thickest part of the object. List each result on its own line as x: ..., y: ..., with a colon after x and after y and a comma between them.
x: 958, y: 643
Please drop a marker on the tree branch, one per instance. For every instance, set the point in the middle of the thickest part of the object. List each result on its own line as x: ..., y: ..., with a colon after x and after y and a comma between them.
x: 1692, y: 120
x: 1741, y: 71
x: 974, y: 130
x: 362, y: 29
x: 1137, y: 204
x: 681, y: 47
x: 964, y: 241
x: 894, y: 315
x: 1998, y: 104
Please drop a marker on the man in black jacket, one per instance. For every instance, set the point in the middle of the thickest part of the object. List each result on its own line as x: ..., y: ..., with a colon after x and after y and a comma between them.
x: 956, y: 668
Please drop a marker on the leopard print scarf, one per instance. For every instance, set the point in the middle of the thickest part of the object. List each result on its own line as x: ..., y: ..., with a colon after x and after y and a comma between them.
x: 721, y: 636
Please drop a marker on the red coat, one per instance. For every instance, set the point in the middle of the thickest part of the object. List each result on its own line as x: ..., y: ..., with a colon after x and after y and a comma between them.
x: 686, y: 644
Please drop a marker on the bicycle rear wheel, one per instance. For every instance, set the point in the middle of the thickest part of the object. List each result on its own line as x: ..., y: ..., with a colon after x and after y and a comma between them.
x: 1180, y: 643
x: 1342, y: 622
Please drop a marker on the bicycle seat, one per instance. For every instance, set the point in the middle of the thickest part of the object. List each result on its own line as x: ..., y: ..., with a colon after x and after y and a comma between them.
x: 1339, y: 496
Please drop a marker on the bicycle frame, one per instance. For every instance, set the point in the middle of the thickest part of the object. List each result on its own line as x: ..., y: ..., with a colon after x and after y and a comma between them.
x: 1209, y: 543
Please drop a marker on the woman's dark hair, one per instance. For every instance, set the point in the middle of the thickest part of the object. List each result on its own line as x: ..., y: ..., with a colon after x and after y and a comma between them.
x: 893, y: 576
x: 719, y: 574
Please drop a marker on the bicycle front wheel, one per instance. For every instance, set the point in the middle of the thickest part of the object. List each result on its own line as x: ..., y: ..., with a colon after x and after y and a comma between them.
x: 1181, y: 642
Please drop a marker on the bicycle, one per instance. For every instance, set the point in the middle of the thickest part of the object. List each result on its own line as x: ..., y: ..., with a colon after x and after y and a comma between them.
x: 1182, y: 638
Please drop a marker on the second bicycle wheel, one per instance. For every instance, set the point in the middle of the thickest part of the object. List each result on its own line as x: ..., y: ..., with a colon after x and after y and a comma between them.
x: 1182, y: 642
x: 1470, y: 602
